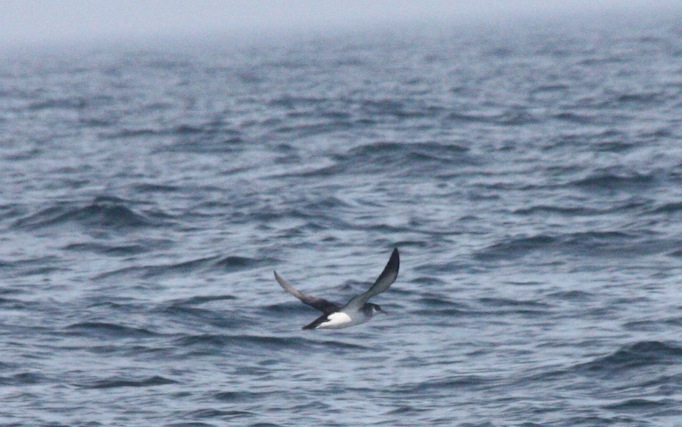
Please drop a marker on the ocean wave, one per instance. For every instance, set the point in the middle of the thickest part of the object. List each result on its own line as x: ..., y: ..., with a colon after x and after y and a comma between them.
x: 667, y: 208
x: 119, y: 382
x: 103, y: 212
x: 437, y: 301
x: 653, y: 324
x: 616, y: 180
x: 240, y: 396
x: 200, y: 299
x: 514, y: 117
x: 23, y: 379
x: 557, y: 210
x: 108, y: 330
x: 16, y: 304
x: 205, y: 143
x: 440, y: 306
x: 197, y: 424
x: 10, y: 210
x: 220, y: 414
x: 303, y: 130
x: 70, y: 103
x: 572, y: 295
x: 156, y: 188
x: 209, y: 343
x: 416, y: 157
x: 676, y: 254
x: 398, y: 109
x: 448, y: 313
x: 99, y: 248
x: 450, y: 384
x: 150, y: 271
x: 189, y: 313
x: 32, y: 266
x: 638, y: 355
x: 230, y: 263
x: 242, y: 263
x: 588, y: 243
x: 182, y: 129
x: 514, y: 303
x: 381, y: 149
x: 639, y: 99
x: 581, y: 119
x: 641, y: 404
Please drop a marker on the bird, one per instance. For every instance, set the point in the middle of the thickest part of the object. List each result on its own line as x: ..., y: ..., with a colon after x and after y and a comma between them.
x: 357, y: 310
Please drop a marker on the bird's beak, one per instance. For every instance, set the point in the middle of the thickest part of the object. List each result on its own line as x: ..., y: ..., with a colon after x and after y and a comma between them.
x: 382, y: 311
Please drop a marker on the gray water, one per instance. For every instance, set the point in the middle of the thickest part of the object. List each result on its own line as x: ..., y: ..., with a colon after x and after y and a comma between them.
x: 531, y: 177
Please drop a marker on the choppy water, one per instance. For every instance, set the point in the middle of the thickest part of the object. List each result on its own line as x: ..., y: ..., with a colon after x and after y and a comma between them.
x: 531, y: 177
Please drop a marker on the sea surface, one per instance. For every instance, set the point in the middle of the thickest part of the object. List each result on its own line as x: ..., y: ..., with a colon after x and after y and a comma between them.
x: 530, y: 175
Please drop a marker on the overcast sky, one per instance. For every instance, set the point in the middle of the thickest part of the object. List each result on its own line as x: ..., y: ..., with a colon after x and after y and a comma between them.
x: 49, y: 21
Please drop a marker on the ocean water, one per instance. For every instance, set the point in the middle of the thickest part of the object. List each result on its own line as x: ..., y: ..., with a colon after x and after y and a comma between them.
x: 531, y: 176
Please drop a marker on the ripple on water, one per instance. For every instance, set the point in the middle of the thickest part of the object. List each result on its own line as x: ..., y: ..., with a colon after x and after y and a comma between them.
x: 641, y: 354
x: 104, y: 212
x: 120, y: 382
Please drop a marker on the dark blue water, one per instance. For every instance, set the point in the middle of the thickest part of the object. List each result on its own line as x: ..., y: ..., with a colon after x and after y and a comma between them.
x: 531, y: 176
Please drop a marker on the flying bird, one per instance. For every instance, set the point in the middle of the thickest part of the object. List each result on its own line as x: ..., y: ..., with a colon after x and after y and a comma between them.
x: 357, y: 310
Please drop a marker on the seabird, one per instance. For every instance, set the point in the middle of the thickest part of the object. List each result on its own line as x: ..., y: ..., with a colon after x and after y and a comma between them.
x: 357, y: 310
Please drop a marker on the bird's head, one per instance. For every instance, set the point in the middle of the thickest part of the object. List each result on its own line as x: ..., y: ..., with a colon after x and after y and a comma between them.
x: 376, y: 308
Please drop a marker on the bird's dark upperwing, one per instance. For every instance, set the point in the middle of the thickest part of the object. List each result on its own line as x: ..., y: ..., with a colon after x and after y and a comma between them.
x: 386, y: 279
x: 319, y: 303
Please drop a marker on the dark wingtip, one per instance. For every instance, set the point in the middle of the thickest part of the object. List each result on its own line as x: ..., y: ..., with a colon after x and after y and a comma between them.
x: 395, y: 257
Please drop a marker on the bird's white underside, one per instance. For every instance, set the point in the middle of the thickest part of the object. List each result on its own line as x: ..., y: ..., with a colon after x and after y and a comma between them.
x: 336, y: 320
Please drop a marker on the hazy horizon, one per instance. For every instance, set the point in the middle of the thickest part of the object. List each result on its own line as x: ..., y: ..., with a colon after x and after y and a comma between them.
x: 31, y: 22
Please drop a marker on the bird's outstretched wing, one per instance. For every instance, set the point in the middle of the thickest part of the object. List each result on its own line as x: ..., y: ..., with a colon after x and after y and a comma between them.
x: 385, y: 280
x: 319, y: 303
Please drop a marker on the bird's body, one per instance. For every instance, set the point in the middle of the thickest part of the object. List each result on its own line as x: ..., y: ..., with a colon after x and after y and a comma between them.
x: 345, y: 318
x: 335, y: 320
x: 357, y: 310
